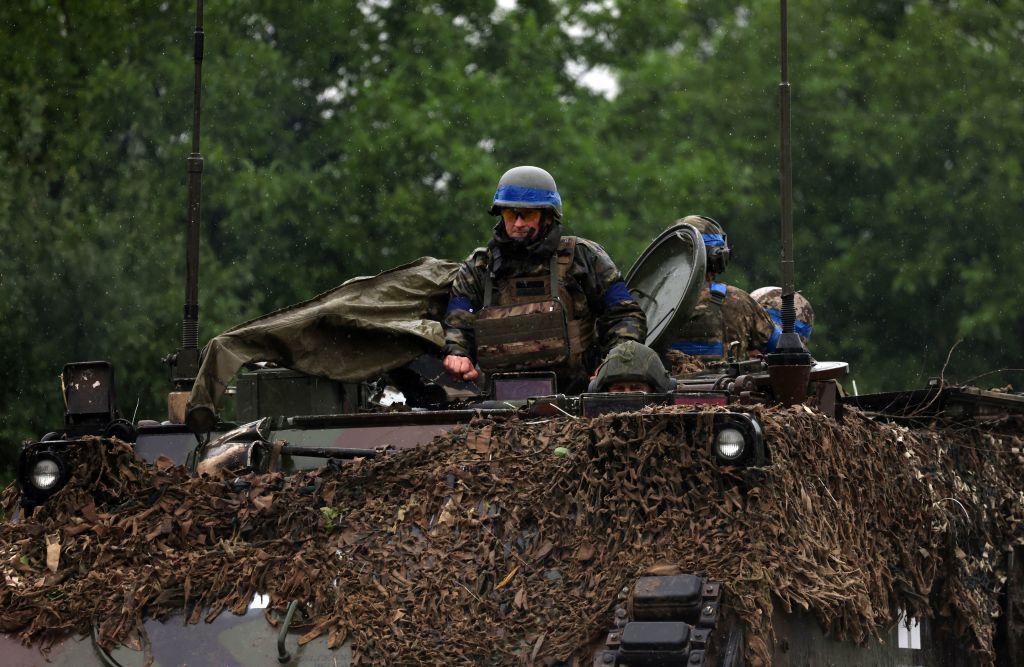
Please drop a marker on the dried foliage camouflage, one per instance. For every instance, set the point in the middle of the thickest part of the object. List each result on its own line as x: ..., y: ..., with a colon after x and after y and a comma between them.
x: 484, y: 547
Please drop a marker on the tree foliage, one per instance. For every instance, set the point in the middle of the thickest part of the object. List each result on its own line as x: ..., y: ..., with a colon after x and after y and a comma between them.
x: 343, y: 138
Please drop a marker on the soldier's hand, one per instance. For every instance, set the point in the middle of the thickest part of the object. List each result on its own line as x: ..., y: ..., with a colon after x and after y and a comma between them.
x: 461, y: 367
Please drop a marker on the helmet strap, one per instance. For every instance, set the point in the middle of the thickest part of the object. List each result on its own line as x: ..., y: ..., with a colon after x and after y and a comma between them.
x: 547, y: 223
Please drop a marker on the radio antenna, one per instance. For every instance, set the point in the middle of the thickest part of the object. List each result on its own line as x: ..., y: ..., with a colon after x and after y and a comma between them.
x: 185, y: 365
x: 789, y: 366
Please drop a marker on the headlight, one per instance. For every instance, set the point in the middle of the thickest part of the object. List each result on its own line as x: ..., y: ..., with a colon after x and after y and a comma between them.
x: 730, y: 444
x: 45, y: 474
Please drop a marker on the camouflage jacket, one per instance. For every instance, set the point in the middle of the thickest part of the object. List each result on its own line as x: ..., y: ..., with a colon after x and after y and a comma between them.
x: 593, y: 282
x: 711, y: 329
x: 745, y: 321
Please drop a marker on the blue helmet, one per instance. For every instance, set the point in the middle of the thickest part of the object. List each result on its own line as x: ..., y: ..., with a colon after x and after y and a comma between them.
x: 527, y: 187
x: 716, y: 241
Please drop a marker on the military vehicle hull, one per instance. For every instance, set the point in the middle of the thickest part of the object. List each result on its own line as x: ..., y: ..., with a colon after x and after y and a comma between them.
x: 307, y: 442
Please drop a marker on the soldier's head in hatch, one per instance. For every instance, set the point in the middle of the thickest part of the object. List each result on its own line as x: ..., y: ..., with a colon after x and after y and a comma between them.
x: 528, y: 202
x: 629, y: 388
x: 716, y: 241
x: 770, y: 298
x: 632, y: 366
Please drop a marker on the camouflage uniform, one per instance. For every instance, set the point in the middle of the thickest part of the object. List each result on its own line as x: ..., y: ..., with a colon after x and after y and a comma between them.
x: 683, y: 365
x: 723, y: 314
x: 770, y: 298
x: 594, y: 285
x: 745, y: 321
x: 712, y: 328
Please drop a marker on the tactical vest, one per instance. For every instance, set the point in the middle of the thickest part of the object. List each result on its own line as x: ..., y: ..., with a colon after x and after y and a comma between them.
x: 535, y: 325
x: 702, y: 336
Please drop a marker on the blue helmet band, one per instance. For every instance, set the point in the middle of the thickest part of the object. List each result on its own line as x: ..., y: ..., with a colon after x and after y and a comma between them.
x: 800, y: 327
x: 714, y: 239
x: 514, y: 195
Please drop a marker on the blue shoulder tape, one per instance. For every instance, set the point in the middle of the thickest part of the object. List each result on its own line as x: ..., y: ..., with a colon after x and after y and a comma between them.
x: 698, y: 349
x: 774, y: 340
x: 616, y: 293
x: 713, y: 239
x: 719, y: 288
x: 459, y: 303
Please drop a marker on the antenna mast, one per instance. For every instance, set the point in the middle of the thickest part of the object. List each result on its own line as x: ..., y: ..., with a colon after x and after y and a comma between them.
x: 789, y: 367
x: 786, y: 163
x: 185, y: 366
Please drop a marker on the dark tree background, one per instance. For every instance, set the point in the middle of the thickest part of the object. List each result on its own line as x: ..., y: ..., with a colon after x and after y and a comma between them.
x: 345, y: 138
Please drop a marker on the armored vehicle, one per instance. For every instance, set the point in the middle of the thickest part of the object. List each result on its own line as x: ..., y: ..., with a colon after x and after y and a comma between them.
x: 715, y: 442
x: 371, y: 510
x: 664, y: 531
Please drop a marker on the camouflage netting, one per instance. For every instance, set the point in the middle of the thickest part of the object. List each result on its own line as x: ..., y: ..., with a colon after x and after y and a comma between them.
x: 682, y: 365
x: 485, y: 547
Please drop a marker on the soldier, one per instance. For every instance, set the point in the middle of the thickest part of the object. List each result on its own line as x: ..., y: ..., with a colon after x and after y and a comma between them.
x: 770, y: 298
x: 533, y: 299
x: 632, y: 367
x: 726, y: 320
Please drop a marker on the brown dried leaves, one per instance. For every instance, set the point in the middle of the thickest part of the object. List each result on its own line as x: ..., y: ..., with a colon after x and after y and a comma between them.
x: 484, y: 546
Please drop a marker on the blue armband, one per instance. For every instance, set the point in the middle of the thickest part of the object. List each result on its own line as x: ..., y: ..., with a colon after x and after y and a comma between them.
x: 617, y: 292
x: 459, y: 303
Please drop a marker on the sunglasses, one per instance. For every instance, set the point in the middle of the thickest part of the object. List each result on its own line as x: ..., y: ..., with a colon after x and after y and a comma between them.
x: 529, y: 215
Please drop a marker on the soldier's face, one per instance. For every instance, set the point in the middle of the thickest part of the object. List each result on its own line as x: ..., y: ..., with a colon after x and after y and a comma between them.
x: 521, y: 223
x: 629, y: 387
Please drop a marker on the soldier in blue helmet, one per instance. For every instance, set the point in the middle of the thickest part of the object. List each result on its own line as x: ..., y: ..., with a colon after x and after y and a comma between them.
x: 533, y: 298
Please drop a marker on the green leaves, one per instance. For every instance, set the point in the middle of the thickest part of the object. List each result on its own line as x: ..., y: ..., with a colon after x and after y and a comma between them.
x: 907, y: 181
